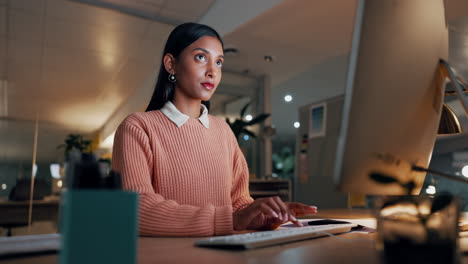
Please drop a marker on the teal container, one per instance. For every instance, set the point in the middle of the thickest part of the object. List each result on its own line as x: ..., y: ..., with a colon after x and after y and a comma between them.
x: 99, y: 226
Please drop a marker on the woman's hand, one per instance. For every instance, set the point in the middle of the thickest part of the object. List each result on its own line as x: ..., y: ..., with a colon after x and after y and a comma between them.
x: 269, y: 213
x: 300, y: 209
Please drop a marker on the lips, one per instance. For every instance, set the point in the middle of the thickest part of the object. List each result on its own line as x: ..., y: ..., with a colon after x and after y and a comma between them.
x: 208, y: 85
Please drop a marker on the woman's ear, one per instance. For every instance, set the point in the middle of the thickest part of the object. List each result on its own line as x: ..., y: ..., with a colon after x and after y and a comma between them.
x: 169, y: 63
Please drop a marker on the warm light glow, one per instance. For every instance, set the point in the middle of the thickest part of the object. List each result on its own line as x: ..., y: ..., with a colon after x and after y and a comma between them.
x: 431, y: 189
x: 55, y: 170
x: 108, y: 143
x: 4, y: 186
x: 59, y: 183
x: 108, y: 44
x: 424, y: 209
x: 297, y: 124
x: 400, y: 209
x: 465, y: 171
x: 248, y: 117
x: 107, y: 60
x: 71, y: 114
x: 288, y: 98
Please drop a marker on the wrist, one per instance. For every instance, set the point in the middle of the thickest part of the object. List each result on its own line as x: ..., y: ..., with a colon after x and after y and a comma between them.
x: 237, y: 220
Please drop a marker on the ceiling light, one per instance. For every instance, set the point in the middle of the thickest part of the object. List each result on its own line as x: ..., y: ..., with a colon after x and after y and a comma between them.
x: 297, y: 124
x: 431, y: 189
x: 465, y: 171
x: 288, y: 98
x: 248, y: 117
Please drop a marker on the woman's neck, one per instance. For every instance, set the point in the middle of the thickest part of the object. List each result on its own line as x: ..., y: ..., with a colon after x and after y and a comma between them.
x: 188, y: 107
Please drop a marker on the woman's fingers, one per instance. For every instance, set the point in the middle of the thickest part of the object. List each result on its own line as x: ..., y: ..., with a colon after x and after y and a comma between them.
x: 300, y: 209
x: 273, y: 223
x: 283, y: 207
x: 244, y: 217
x: 270, y: 209
x: 297, y: 223
x: 273, y: 207
x: 274, y: 212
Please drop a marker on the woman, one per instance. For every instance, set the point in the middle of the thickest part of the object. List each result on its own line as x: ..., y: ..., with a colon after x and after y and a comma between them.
x: 185, y: 164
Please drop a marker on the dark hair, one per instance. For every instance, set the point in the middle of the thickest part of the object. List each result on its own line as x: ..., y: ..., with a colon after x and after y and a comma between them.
x: 180, y: 38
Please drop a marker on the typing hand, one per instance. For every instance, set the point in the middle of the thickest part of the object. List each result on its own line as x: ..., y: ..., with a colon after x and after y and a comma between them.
x: 299, y: 209
x: 269, y: 213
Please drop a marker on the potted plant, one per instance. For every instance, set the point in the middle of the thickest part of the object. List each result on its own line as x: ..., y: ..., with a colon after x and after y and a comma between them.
x: 239, y: 126
x: 76, y: 141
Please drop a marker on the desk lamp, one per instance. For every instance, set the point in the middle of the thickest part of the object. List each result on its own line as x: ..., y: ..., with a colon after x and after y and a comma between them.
x: 449, y: 123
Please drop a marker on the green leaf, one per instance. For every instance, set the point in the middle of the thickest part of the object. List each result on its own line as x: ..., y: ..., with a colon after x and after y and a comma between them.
x: 248, y: 132
x: 237, y: 127
x: 242, y: 112
x: 260, y: 118
x: 289, y: 163
x: 75, y: 141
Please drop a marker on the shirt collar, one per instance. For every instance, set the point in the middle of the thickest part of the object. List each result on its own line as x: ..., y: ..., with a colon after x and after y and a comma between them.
x: 170, y: 110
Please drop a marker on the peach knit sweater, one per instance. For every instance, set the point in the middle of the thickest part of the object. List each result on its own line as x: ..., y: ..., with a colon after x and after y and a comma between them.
x: 190, y: 178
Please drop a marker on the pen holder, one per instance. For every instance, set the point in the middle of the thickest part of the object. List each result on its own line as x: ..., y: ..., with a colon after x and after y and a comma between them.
x: 418, y: 229
x: 98, y: 226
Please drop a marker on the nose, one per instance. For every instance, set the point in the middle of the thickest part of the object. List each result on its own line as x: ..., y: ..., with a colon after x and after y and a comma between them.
x: 211, y: 71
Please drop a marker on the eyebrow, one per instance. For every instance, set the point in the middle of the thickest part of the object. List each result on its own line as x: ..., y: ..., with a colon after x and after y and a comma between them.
x: 206, y: 51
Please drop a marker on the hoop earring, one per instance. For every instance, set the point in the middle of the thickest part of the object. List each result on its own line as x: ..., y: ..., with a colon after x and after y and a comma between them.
x: 171, y: 78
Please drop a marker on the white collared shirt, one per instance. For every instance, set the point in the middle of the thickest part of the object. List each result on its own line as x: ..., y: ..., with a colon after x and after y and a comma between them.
x: 179, y: 118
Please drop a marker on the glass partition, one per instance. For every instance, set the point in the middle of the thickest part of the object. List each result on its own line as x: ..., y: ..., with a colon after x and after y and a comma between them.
x: 17, y: 168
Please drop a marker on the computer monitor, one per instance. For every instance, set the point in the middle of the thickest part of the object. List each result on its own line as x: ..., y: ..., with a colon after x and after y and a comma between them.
x: 394, y: 95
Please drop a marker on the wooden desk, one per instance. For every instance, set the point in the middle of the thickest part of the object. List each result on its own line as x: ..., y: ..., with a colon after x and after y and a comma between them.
x: 348, y: 248
x: 181, y: 250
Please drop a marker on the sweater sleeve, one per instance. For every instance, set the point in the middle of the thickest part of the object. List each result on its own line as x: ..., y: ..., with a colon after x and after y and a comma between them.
x: 240, y: 190
x: 133, y: 159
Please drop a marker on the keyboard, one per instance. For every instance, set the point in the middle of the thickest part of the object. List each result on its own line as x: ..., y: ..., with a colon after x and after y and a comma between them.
x: 30, y: 244
x: 275, y: 237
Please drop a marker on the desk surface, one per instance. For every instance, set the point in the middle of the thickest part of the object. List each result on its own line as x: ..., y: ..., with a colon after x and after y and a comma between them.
x: 181, y: 250
x: 347, y: 248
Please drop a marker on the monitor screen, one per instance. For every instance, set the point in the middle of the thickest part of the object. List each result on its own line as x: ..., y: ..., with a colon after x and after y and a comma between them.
x: 393, y: 96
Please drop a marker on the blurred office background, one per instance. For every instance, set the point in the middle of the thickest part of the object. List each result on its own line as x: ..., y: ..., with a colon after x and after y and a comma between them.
x: 81, y: 66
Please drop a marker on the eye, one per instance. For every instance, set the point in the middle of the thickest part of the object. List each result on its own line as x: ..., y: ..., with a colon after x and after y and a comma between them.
x: 200, y: 57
